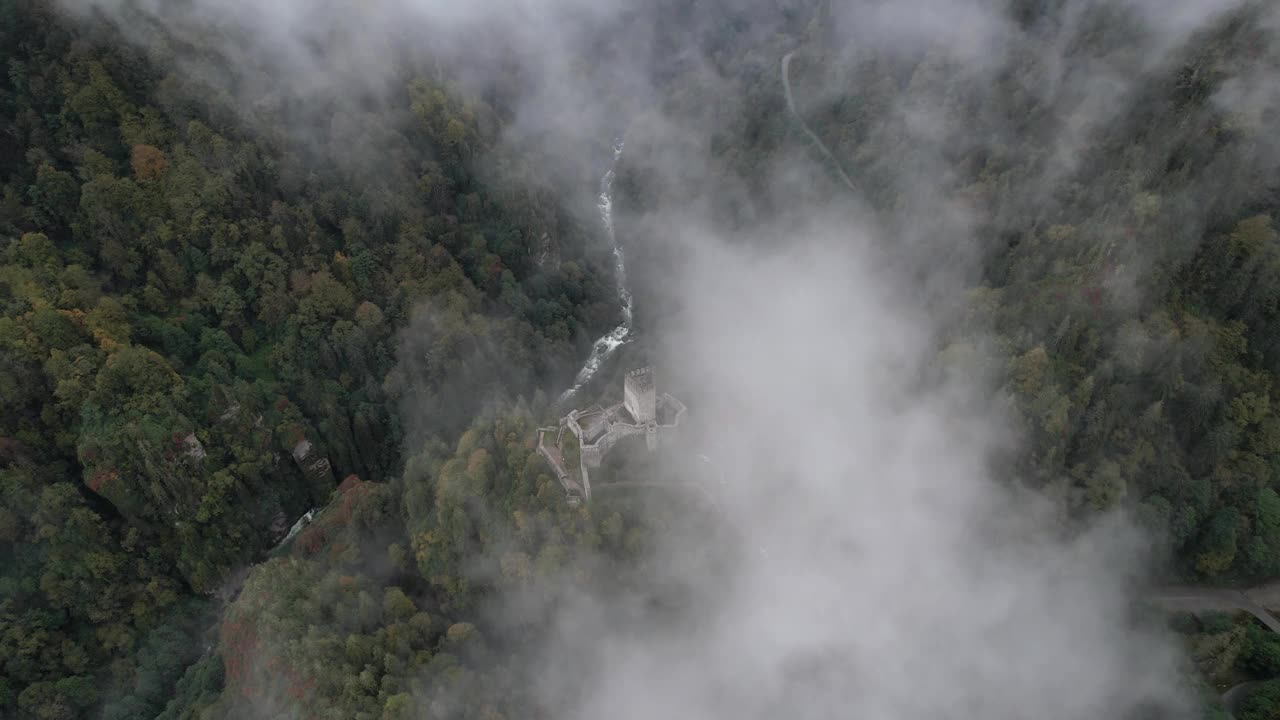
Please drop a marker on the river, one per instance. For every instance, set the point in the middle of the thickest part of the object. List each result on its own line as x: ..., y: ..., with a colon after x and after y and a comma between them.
x: 606, y: 344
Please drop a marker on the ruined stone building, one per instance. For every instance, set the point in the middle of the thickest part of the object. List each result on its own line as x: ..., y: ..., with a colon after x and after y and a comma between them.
x: 639, y: 396
x: 642, y: 412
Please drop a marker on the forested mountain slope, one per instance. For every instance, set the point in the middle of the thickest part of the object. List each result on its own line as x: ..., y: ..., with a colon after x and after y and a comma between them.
x: 199, y: 329
x: 1104, y: 190
x: 216, y: 314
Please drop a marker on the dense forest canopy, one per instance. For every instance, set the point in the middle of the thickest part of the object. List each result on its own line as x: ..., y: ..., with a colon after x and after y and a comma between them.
x: 258, y: 261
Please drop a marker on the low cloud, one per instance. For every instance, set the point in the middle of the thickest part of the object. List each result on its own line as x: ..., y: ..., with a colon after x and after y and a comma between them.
x: 878, y: 569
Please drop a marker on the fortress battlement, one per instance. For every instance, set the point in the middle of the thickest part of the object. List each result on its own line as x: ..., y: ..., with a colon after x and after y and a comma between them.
x: 597, y: 430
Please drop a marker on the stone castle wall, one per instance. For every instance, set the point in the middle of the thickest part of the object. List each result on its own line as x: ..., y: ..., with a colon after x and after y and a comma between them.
x: 637, y: 414
x: 611, y: 438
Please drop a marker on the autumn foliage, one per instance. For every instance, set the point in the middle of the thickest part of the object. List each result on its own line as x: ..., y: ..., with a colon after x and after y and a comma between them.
x: 249, y: 669
x: 149, y: 163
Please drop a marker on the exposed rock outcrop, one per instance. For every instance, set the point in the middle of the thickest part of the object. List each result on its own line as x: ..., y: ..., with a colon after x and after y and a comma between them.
x: 315, y: 468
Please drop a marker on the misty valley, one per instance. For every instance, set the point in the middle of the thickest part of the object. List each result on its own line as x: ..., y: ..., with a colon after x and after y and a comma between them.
x: 421, y: 360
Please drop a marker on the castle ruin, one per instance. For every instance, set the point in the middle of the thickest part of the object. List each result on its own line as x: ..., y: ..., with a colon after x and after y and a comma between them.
x: 597, y: 430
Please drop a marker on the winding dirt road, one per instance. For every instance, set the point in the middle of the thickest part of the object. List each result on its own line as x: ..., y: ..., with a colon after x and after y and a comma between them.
x: 817, y: 141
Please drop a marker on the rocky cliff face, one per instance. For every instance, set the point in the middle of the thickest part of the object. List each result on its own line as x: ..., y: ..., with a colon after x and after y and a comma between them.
x: 315, y: 468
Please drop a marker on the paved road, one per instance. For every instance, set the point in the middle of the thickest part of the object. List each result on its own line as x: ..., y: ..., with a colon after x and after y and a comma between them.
x: 1250, y: 600
x: 791, y: 105
x: 1193, y: 599
x: 1231, y: 699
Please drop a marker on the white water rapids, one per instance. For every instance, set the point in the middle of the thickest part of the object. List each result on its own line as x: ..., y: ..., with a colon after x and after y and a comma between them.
x: 618, y: 336
x: 303, y: 521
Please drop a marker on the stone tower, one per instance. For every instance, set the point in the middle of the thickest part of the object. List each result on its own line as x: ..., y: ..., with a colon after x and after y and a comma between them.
x: 640, y: 395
